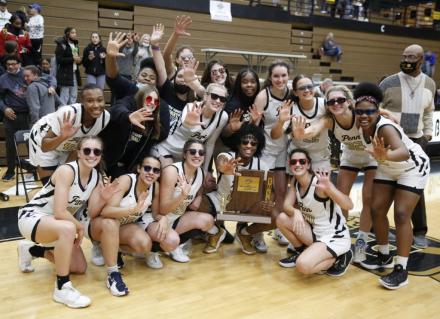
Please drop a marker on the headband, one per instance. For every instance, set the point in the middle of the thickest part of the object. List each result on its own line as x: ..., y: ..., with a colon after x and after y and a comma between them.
x: 368, y: 98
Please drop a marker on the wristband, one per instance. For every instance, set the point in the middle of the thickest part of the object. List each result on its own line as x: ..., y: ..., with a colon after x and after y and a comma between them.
x: 155, y: 47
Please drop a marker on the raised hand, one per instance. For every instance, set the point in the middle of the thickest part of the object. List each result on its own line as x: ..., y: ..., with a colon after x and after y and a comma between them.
x: 157, y: 34
x: 298, y: 127
x: 109, y: 188
x: 379, y: 151
x: 285, y: 110
x: 229, y: 167
x: 192, y: 117
x: 182, y: 22
x: 235, y: 120
x: 189, y: 71
x: 138, y: 117
x: 141, y: 204
x: 324, y: 182
x: 255, y: 114
x: 183, y: 184
x: 67, y: 130
x: 113, y: 45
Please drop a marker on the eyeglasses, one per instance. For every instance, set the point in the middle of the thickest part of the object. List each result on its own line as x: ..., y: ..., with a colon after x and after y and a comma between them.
x: 339, y: 100
x: 247, y: 142
x: 187, y: 57
x: 150, y: 100
x: 301, y: 161
x: 193, y: 152
x: 218, y: 71
x: 367, y: 112
x: 306, y: 87
x: 214, y: 97
x: 96, y: 151
x: 409, y: 57
x: 148, y: 168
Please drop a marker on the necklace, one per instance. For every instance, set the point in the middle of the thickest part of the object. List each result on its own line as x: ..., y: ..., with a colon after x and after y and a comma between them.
x: 413, y: 89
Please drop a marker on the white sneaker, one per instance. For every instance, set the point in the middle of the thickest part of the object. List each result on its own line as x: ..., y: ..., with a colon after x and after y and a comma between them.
x: 153, y: 261
x: 279, y: 237
x: 259, y: 243
x: 70, y: 296
x: 97, y: 258
x: 178, y: 255
x: 24, y: 256
x: 187, y: 247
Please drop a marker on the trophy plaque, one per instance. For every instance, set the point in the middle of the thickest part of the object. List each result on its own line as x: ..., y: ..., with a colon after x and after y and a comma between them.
x: 244, y: 203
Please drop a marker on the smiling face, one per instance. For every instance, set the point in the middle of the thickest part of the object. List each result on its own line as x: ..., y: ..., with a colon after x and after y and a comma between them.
x: 248, y: 146
x: 151, y: 101
x: 147, y: 76
x: 185, y: 57
x: 334, y: 103
x: 93, y: 102
x: 29, y: 76
x: 90, y: 152
x: 366, y: 114
x: 249, y: 84
x: 304, y: 89
x: 195, y: 155
x: 218, y: 74
x: 279, y: 77
x: 299, y: 164
x: 213, y: 98
x: 149, y: 171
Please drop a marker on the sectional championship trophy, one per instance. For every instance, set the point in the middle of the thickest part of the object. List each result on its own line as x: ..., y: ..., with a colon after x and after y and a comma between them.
x: 244, y: 203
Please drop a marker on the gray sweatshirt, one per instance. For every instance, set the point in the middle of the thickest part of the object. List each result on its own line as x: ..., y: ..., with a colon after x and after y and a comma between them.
x: 39, y: 101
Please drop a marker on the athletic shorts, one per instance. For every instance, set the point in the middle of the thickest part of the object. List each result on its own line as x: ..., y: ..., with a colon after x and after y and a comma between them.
x: 412, y: 180
x: 357, y: 163
x: 28, y: 221
x: 161, y: 151
x: 47, y: 159
x: 335, y: 245
x: 275, y: 161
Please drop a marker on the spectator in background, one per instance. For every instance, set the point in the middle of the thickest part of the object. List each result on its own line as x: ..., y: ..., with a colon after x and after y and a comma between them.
x: 94, y: 61
x: 323, y: 87
x: 14, y: 108
x: 36, y: 32
x: 45, y: 67
x: 330, y: 48
x: 14, y: 31
x: 68, y: 59
x: 4, y: 13
x: 428, y: 66
x: 41, y: 97
x: 129, y: 50
x: 143, y: 52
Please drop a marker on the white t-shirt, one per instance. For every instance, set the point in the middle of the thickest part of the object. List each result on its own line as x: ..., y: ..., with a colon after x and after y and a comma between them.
x: 36, y: 27
x: 4, y: 18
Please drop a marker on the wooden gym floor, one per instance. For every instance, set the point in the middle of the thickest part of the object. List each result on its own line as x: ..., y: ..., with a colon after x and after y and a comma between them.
x: 228, y: 284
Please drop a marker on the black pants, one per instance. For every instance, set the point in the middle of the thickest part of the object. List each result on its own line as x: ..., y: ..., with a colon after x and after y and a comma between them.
x: 418, y: 218
x: 37, y: 51
x: 20, y: 123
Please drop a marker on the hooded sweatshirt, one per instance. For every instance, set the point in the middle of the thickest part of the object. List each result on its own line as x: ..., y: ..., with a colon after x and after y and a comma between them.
x: 39, y: 101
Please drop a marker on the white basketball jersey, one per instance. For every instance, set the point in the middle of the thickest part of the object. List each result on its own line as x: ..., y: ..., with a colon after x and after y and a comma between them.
x: 78, y: 195
x: 317, y: 146
x: 225, y: 183
x: 417, y: 159
x: 195, y: 186
x: 324, y: 215
x: 130, y: 199
x: 270, y: 118
x: 52, y: 122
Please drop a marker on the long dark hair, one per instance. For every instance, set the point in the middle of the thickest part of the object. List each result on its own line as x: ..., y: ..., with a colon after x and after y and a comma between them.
x: 272, y: 66
x: 206, y: 77
x: 140, y: 98
x: 237, y: 92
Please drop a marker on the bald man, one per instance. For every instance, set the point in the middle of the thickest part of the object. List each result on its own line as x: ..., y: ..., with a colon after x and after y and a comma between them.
x: 409, y: 96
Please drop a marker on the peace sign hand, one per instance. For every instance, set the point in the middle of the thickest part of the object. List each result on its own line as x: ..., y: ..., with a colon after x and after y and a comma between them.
x: 113, y: 45
x: 183, y: 184
x: 298, y: 127
x: 157, y: 34
x: 67, y: 130
x: 192, y: 117
x: 182, y: 22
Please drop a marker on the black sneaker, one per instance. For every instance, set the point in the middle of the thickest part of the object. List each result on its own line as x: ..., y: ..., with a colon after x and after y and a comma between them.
x: 8, y: 176
x: 341, y: 264
x: 396, y: 279
x: 289, y: 262
x: 379, y: 261
x: 116, y: 284
x: 120, y: 261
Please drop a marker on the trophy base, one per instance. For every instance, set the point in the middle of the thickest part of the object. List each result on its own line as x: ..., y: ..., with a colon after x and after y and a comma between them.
x: 229, y: 216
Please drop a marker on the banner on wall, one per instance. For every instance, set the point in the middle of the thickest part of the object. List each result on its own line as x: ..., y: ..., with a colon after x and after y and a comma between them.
x: 220, y: 11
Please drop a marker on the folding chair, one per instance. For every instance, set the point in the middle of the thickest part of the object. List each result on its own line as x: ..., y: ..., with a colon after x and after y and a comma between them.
x: 22, y: 137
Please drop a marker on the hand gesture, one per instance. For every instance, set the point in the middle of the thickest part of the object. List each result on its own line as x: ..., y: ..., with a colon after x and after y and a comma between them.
x: 51, y: 91
x: 138, y: 117
x: 10, y: 114
x: 108, y: 189
x: 255, y: 114
x: 67, y: 130
x: 234, y: 120
x: 299, y: 224
x: 141, y: 205
x: 162, y: 228
x: 267, y: 206
x: 324, y: 182
x: 183, y: 184
x: 298, y: 127
x: 285, y: 110
x: 189, y: 71
x: 157, y: 34
x: 229, y: 167
x: 182, y: 22
x: 113, y: 45
x: 192, y: 117
x: 379, y: 151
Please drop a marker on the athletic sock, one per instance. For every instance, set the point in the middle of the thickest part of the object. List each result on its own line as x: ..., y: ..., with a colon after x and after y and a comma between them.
x: 362, y: 235
x: 37, y: 251
x: 214, y: 230
x: 112, y: 269
x: 384, y: 249
x: 402, y: 261
x: 61, y: 280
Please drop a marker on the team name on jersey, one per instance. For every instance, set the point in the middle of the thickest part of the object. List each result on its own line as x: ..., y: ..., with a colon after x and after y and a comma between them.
x: 76, y: 201
x: 199, y: 136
